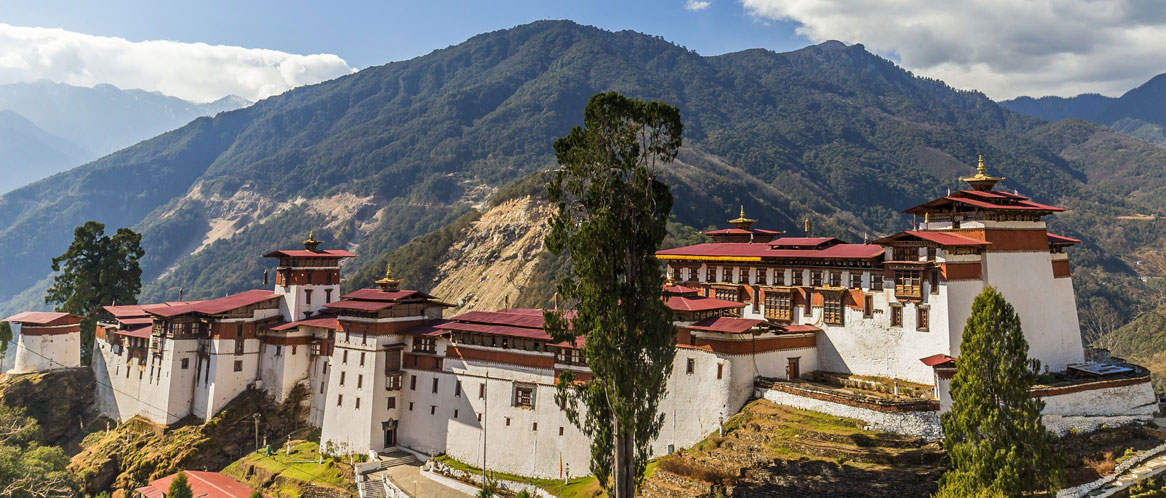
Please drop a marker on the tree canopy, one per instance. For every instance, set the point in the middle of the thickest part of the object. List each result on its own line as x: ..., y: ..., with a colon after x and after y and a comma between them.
x: 27, y: 469
x: 97, y: 270
x: 610, y: 218
x: 180, y: 487
x: 993, y: 432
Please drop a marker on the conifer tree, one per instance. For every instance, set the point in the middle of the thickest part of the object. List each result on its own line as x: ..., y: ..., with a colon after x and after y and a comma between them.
x: 180, y: 487
x: 993, y: 433
x: 97, y: 270
x: 610, y: 219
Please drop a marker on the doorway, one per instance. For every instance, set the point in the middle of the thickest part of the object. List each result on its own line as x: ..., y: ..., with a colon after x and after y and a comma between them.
x: 791, y: 370
x: 390, y: 438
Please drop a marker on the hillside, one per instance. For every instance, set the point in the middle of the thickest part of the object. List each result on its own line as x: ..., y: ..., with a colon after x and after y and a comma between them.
x: 1140, y: 112
x: 30, y: 153
x: 376, y: 158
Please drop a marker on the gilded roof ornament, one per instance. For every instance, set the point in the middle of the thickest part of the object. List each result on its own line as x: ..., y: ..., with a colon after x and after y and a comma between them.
x: 742, y: 220
x: 981, y: 180
x: 311, y: 243
x: 388, y: 283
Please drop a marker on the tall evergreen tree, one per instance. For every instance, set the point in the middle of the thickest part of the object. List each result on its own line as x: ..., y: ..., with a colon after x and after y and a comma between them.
x: 96, y: 270
x: 180, y: 487
x: 610, y: 219
x: 993, y: 432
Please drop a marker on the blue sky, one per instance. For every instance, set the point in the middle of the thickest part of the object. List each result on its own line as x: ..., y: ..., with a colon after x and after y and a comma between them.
x: 372, y: 33
x: 1004, y: 48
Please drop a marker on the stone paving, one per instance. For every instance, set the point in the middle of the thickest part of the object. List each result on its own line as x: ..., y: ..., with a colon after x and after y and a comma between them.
x: 409, y: 478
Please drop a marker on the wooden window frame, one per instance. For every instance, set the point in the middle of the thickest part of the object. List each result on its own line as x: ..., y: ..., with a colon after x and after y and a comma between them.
x: 834, y: 308
x: 922, y: 318
x: 523, y: 396
x: 690, y: 366
x: 779, y: 304
x: 896, y: 315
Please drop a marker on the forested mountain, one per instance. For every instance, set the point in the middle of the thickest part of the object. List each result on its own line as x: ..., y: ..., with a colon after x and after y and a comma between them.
x: 373, y: 159
x: 1140, y: 112
x: 83, y: 124
x: 28, y: 153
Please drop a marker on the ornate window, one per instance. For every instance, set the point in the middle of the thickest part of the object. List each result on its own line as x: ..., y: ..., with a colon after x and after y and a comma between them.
x: 835, y: 279
x: 832, y: 308
x: 798, y: 276
x: 726, y: 274
x: 876, y: 281
x: 816, y: 278
x: 907, y: 284
x: 778, y: 276
x: 731, y: 294
x: 779, y: 304
x: 922, y: 320
x: 855, y: 280
x: 742, y: 275
x: 867, y: 306
x: 905, y: 254
x: 762, y: 277
x: 524, y: 395
x: 896, y: 315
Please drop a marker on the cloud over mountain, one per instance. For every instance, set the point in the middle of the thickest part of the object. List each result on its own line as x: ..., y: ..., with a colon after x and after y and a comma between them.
x: 193, y: 71
x: 1002, y: 47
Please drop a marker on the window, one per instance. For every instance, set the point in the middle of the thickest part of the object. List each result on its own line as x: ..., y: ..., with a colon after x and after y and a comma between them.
x: 344, y: 357
x: 921, y: 318
x: 690, y: 366
x: 560, y: 431
x: 534, y: 427
x: 726, y: 274
x: 815, y: 278
x: 279, y: 350
x: 433, y: 409
x: 185, y: 363
x: 876, y: 282
x: 339, y: 400
x: 308, y: 297
x: 435, y: 385
x: 238, y: 365
x: 832, y: 307
x: 778, y: 276
x: 720, y: 370
x: 412, y: 382
x: 479, y: 417
x: 867, y: 306
x: 896, y: 315
x: 778, y: 304
x: 930, y: 254
x: 321, y: 388
x: 727, y: 294
x: 362, y: 358
x: 762, y: 277
x: 425, y: 344
x: 455, y: 413
x: 410, y: 406
x: 742, y: 275
x: 293, y: 350
x: 933, y: 280
x: 391, y: 403
x: 798, y: 276
x: 328, y: 280
x: 835, y: 279
x: 905, y: 254
x: 359, y: 381
x: 855, y: 280
x: 507, y: 421
x: 524, y: 395
x: 328, y: 295
x: 457, y: 389
x: 238, y: 330
x: 357, y: 403
x: 482, y: 391
x: 907, y: 284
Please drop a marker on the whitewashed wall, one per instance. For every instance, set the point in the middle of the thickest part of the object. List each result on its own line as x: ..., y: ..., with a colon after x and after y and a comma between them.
x: 42, y: 353
x: 918, y: 423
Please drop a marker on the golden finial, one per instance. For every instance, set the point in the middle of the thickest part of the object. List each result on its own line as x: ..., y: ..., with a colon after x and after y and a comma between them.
x: 807, y: 227
x: 311, y: 243
x: 388, y: 283
x: 742, y: 221
x: 981, y: 180
x: 927, y: 217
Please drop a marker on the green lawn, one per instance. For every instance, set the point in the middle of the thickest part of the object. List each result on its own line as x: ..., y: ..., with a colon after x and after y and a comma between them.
x: 580, y: 487
x: 300, y: 465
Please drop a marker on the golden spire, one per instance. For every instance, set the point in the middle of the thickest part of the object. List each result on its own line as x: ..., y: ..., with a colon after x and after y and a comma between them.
x: 741, y: 221
x: 311, y: 243
x: 807, y: 227
x: 388, y: 283
x: 981, y: 180
x: 927, y: 217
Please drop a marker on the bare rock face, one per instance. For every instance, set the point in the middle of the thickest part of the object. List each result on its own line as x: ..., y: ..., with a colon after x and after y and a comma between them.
x: 60, y: 401
x: 496, y: 258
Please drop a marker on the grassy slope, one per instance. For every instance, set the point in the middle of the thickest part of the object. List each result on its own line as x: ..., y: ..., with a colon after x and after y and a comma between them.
x: 295, y: 474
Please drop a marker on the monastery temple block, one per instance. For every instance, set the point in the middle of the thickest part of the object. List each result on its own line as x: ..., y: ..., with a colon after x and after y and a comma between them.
x: 804, y: 321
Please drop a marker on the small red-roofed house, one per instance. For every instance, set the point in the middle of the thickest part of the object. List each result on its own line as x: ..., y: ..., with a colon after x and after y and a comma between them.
x: 202, y: 485
x: 44, y: 341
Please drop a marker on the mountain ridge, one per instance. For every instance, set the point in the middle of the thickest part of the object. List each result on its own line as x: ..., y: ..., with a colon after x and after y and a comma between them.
x: 395, y: 151
x: 1139, y: 112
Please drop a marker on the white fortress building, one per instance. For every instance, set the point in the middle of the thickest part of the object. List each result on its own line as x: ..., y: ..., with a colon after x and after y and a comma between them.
x: 44, y: 341
x: 870, y: 331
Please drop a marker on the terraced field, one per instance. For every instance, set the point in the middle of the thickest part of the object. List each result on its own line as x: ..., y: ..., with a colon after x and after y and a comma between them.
x: 773, y: 450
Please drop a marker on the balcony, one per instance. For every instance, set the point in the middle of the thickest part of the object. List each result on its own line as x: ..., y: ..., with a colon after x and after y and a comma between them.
x: 908, y: 292
x: 394, y: 380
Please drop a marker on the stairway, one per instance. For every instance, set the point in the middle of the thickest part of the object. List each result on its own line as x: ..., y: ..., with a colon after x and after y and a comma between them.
x: 371, y: 488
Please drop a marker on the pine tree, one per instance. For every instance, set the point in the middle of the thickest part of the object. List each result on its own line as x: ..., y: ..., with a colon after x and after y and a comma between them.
x: 993, y: 432
x: 180, y: 487
x: 97, y: 270
x: 610, y: 218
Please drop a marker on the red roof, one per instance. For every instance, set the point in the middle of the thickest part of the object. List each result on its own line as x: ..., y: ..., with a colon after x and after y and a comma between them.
x: 322, y: 321
x: 140, y: 331
x: 203, y: 484
x: 973, y: 198
x: 140, y: 310
x: 1061, y: 240
x: 806, y: 242
x: 795, y: 329
x: 506, y: 330
x: 725, y: 324
x: 380, y: 295
x: 697, y: 303
x: 941, y: 238
x: 937, y: 359
x: 427, y: 329
x: 679, y: 289
x: 359, y: 305
x: 43, y: 318
x: 216, y: 306
x: 524, y: 318
x: 304, y: 253
x: 730, y: 250
x: 145, y: 320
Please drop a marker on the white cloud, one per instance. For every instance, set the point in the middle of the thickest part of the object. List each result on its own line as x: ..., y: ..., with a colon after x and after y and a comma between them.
x: 696, y: 5
x: 1004, y: 48
x: 193, y: 71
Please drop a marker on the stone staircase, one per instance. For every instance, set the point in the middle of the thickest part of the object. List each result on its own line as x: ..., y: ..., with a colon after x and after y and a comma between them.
x: 371, y: 488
